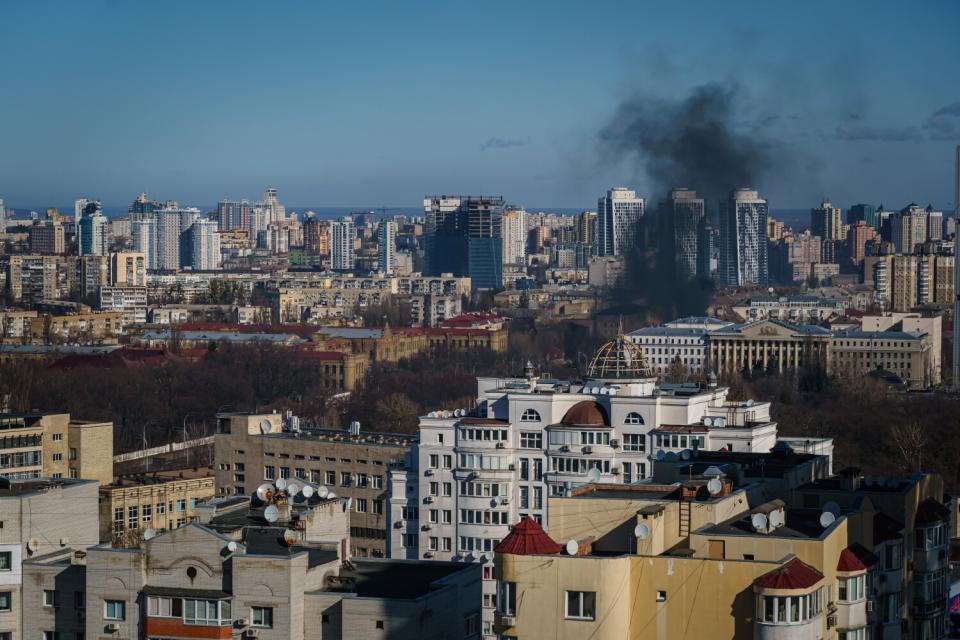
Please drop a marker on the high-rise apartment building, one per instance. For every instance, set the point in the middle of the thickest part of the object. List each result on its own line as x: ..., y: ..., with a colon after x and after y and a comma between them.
x: 682, y: 227
x: 144, y: 235
x: 341, y: 234
x: 316, y: 236
x: 204, y: 242
x: 235, y: 214
x: 743, y: 239
x: 826, y: 222
x: 586, y: 228
x: 30, y: 278
x: 47, y: 238
x: 859, y: 235
x: 618, y: 215
x: 956, y: 275
x: 3, y: 217
x: 464, y: 237
x: 277, y: 212
x: 387, y: 247
x: 93, y: 238
x: 514, y: 236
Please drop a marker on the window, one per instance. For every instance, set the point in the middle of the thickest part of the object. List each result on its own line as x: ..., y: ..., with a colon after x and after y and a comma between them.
x: 633, y: 418
x: 581, y: 605
x: 507, y: 598
x: 114, y: 610
x: 284, y: 472
x: 634, y: 442
x: 531, y: 440
x: 434, y: 461
x: 331, y: 477
x: 147, y: 512
x: 57, y: 437
x: 851, y: 589
x: 57, y: 457
x: 447, y: 461
x: 181, y: 504
x: 51, y: 635
x: 132, y: 518
x: 261, y: 617
x: 345, y: 478
x: 270, y: 472
x: 161, y: 508
x: 377, y: 482
x: 471, y: 625
x: 853, y: 634
x: 6, y: 600
x: 530, y: 415
x: 206, y: 612
x: 118, y: 519
x: 409, y: 540
x: 661, y: 596
x: 361, y: 505
x: 164, y: 607
x: 378, y: 506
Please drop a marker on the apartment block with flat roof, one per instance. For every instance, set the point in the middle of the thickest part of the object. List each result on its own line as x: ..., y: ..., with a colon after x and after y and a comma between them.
x: 251, y: 449
x: 51, y: 445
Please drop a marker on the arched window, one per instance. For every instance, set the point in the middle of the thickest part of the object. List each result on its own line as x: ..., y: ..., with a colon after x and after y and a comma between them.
x: 530, y: 415
x: 633, y: 418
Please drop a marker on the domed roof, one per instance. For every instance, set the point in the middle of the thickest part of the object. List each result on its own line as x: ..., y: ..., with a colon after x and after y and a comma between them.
x: 586, y: 413
x: 619, y: 359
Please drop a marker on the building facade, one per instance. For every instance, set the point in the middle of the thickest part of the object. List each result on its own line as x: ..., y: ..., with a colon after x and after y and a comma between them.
x: 618, y: 216
x: 743, y: 239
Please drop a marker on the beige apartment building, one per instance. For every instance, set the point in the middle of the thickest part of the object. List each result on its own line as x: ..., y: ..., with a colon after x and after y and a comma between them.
x: 163, y: 500
x: 30, y: 278
x: 252, y: 449
x: 82, y: 328
x: 232, y: 574
x: 128, y: 269
x: 39, y: 517
x: 51, y: 445
x: 730, y: 550
x: 47, y: 238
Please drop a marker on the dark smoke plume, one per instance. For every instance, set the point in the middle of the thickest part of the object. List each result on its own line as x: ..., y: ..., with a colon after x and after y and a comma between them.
x: 696, y: 142
x: 700, y: 142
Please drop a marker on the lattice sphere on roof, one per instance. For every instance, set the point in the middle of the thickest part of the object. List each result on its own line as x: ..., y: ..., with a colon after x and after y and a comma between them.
x: 619, y: 359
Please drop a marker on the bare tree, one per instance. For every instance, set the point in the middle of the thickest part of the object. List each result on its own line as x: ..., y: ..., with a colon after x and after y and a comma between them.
x: 910, y: 439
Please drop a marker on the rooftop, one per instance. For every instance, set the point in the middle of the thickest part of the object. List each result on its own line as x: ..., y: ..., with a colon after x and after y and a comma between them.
x: 398, y: 579
x: 345, y: 437
x: 18, y: 488
x: 799, y: 524
x: 158, y: 477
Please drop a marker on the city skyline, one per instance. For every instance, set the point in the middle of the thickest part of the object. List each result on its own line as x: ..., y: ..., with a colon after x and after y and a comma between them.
x: 391, y: 120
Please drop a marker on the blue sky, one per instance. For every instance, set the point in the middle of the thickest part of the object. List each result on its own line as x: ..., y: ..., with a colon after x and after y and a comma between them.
x: 377, y: 103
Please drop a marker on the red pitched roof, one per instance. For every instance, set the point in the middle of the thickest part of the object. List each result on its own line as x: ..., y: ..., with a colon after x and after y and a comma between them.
x: 795, y: 574
x: 526, y: 539
x: 850, y: 562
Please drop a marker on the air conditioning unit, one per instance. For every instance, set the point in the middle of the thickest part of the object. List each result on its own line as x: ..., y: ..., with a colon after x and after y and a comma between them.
x: 428, y: 500
x: 399, y: 524
x: 251, y: 633
x: 565, y: 448
x: 504, y: 500
x: 113, y: 627
x: 428, y: 554
x: 587, y: 449
x: 869, y: 606
x: 512, y: 467
x: 428, y: 472
x: 614, y: 443
x: 501, y: 445
x: 507, y: 621
x: 242, y: 622
x: 614, y: 470
x: 831, y: 622
x: 426, y: 527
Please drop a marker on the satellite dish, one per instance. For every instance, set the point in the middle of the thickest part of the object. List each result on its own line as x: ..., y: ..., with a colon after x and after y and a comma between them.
x: 149, y: 534
x: 776, y: 518
x: 265, y: 492
x: 282, y: 484
x: 271, y: 513
x: 322, y: 492
x: 293, y: 488
x: 484, y: 558
x: 232, y: 546
x: 265, y: 426
x: 826, y: 519
x: 714, y: 486
x: 33, y: 544
x: 708, y: 422
x: 572, y: 547
x: 347, y: 504
x: 307, y: 491
x: 684, y: 455
x: 660, y: 455
x: 759, y: 521
x: 833, y: 508
x: 593, y: 475
x: 331, y: 495
x: 641, y: 531
x: 290, y: 537
x: 64, y: 541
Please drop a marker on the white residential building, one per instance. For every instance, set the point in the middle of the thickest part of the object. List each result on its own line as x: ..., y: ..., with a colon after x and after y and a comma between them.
x: 204, y: 245
x: 472, y: 476
x: 618, y: 214
x: 387, y: 247
x: 795, y: 309
x: 132, y: 301
x: 341, y: 245
x: 514, y: 236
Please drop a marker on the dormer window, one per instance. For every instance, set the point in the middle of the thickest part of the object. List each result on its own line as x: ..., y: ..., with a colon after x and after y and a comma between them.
x: 633, y: 418
x: 530, y: 415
